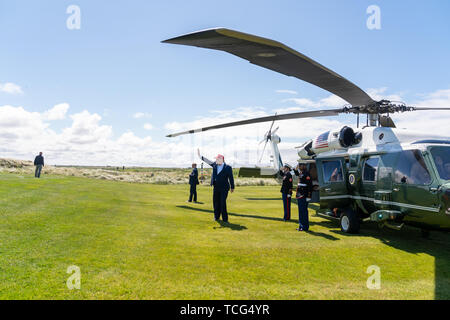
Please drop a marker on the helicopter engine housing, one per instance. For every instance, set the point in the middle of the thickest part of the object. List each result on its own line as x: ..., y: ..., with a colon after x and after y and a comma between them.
x: 332, y: 140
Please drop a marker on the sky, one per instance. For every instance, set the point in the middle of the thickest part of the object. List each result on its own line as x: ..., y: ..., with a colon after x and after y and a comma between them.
x: 106, y: 91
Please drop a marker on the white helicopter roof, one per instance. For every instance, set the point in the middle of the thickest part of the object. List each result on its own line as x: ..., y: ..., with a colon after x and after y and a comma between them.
x: 377, y: 140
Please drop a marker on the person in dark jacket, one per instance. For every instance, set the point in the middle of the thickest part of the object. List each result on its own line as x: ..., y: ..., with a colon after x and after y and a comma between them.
x: 286, y: 191
x: 193, y: 181
x: 223, y: 181
x: 39, y: 163
x: 304, y: 191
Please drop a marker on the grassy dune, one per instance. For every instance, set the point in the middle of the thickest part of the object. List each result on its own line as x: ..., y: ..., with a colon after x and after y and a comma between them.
x: 142, y: 241
x: 161, y: 176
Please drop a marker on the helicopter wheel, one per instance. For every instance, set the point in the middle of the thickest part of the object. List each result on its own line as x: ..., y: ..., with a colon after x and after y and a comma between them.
x: 349, y: 221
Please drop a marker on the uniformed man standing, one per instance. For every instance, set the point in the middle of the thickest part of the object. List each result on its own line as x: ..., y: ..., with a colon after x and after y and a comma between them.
x: 223, y: 182
x: 193, y: 181
x: 286, y: 191
x: 304, y: 191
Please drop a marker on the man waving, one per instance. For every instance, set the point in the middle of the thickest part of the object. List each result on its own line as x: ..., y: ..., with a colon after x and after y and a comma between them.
x: 222, y: 180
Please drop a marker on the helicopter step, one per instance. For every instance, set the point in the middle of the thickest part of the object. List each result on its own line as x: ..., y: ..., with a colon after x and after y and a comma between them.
x: 328, y: 215
x: 393, y: 226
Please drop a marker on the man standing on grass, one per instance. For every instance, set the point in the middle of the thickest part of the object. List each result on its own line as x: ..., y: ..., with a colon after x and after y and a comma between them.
x: 223, y: 182
x: 286, y: 191
x: 193, y: 181
x: 39, y: 163
x: 303, y: 195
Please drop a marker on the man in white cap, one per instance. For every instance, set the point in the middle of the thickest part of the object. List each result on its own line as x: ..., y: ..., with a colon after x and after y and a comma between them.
x: 223, y: 181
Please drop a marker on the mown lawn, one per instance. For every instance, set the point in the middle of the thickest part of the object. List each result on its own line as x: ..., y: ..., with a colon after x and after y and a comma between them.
x: 135, y: 241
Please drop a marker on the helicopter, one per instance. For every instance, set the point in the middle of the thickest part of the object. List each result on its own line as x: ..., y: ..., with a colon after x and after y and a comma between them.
x: 373, y: 173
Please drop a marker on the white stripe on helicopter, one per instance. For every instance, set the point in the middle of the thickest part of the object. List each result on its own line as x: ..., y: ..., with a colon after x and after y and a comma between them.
x: 411, y: 206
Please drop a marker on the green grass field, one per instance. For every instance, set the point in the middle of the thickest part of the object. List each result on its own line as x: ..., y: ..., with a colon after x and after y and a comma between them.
x: 137, y: 241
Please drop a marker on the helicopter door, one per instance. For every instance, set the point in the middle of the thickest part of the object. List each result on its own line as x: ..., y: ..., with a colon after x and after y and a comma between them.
x: 333, y: 185
x: 413, y: 192
x: 312, y: 168
x: 369, y: 182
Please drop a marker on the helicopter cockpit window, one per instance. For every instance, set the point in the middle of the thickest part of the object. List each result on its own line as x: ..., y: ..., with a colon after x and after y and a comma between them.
x: 411, y: 169
x: 370, y: 169
x: 332, y: 171
x: 441, y: 157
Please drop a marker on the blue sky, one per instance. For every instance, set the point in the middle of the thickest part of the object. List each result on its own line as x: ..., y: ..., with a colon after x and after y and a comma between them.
x: 115, y: 66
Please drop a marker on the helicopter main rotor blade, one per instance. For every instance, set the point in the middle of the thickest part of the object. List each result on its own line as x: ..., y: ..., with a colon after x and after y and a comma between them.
x: 424, y: 108
x: 278, y: 57
x: 287, y: 116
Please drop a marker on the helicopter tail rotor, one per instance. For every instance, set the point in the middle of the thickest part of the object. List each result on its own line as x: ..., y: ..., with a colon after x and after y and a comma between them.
x: 267, y: 138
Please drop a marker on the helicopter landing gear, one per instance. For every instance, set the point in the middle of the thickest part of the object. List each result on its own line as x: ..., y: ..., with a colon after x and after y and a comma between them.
x: 349, y: 221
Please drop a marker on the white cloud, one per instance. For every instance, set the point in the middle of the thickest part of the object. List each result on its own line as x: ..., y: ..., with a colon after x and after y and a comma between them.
x: 286, y: 91
x: 380, y: 94
x: 332, y: 101
x: 148, y: 126
x: 129, y: 139
x: 10, y: 88
x: 58, y: 112
x: 435, y: 122
x: 86, y: 129
x: 87, y: 140
x: 140, y: 115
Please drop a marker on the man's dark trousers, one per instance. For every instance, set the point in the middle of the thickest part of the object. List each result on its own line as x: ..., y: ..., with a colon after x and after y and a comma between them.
x: 287, y: 207
x: 303, y: 213
x: 193, y: 193
x: 37, y: 172
x: 220, y: 204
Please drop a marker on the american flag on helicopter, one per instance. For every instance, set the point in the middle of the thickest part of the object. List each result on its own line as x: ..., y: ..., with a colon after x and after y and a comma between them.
x: 322, y: 141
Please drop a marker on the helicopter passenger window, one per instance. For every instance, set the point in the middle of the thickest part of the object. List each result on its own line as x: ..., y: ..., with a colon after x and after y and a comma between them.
x: 370, y: 169
x: 411, y: 169
x: 441, y: 157
x: 332, y: 171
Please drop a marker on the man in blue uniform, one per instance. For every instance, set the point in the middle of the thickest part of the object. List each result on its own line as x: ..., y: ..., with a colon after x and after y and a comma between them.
x: 193, y: 181
x: 304, y: 191
x: 39, y: 163
x: 286, y: 191
x: 223, y: 182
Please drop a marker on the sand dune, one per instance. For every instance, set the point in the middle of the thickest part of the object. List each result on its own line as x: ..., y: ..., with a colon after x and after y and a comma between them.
x: 135, y: 175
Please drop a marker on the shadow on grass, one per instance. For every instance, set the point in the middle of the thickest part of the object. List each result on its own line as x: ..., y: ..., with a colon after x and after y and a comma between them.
x: 237, y: 214
x: 323, y: 235
x: 232, y: 226
x: 409, y: 239
x: 263, y: 199
x: 238, y: 227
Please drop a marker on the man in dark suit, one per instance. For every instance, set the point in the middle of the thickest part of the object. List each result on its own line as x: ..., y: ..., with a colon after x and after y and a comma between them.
x: 39, y: 163
x: 223, y: 181
x: 193, y: 181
